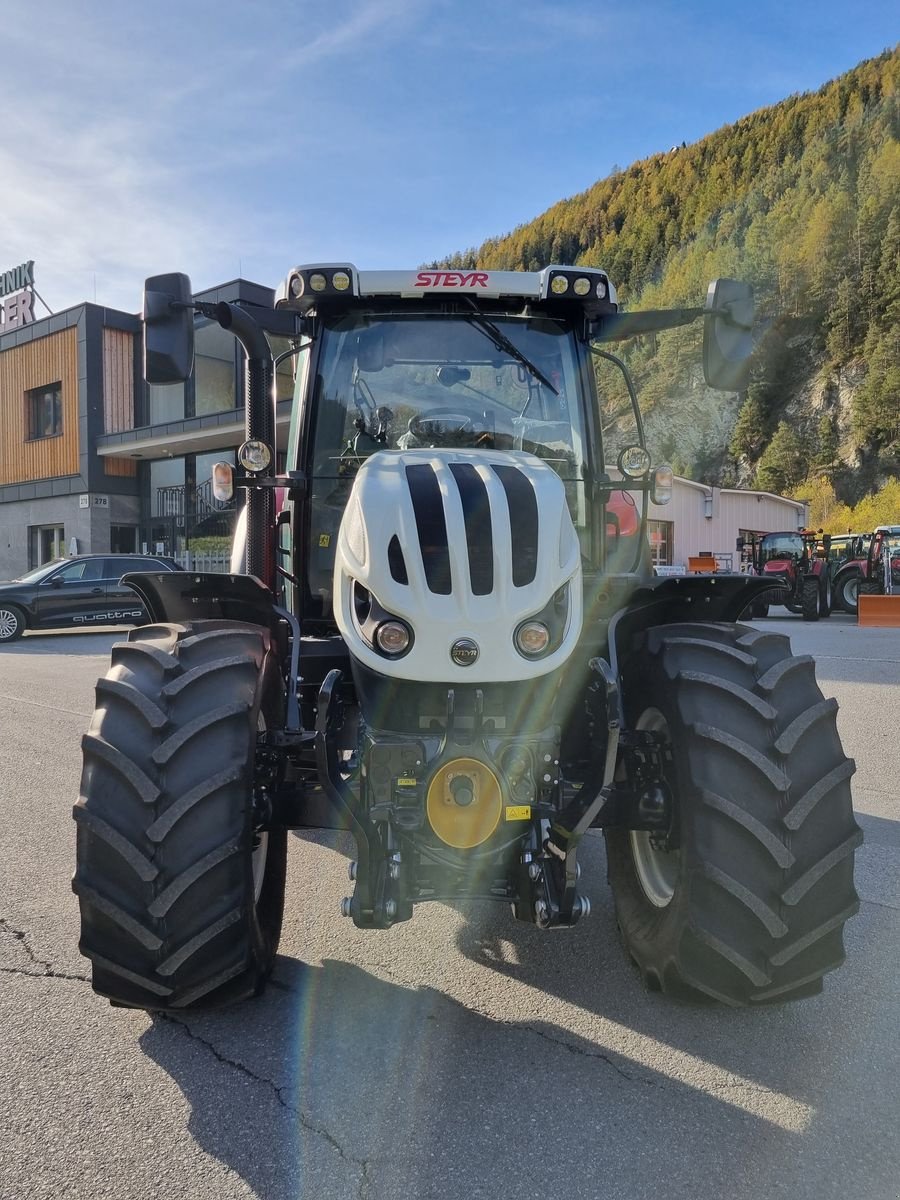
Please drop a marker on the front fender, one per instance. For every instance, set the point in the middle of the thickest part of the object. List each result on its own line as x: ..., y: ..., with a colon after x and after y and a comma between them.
x: 180, y: 596
x: 681, y: 598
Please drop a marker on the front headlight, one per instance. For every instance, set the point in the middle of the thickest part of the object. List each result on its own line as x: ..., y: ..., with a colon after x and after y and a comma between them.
x: 392, y: 637
x: 532, y: 638
x: 254, y: 456
x: 634, y: 461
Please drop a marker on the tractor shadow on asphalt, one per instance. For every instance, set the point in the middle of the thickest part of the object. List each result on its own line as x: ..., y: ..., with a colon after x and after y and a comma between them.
x: 338, y: 1082
x: 813, y: 1056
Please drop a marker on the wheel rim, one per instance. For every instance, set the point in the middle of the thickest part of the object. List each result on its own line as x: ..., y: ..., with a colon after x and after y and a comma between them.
x: 851, y: 592
x: 656, y: 870
x: 9, y: 623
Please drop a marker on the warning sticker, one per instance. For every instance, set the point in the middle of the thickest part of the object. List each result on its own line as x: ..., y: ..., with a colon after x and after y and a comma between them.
x: 407, y: 781
x: 324, y: 540
x: 518, y: 812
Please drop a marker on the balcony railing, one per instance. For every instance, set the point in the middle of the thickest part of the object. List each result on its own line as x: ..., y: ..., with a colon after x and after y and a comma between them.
x: 178, y: 500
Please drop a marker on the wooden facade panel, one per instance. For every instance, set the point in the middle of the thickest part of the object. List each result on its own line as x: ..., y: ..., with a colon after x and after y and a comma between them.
x: 52, y: 359
x: 118, y: 381
x: 119, y: 466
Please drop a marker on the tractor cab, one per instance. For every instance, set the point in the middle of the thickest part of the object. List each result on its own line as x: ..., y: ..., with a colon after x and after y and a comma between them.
x: 782, y: 553
x: 481, y: 364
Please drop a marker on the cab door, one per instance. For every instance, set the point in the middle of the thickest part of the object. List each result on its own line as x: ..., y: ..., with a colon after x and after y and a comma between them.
x: 73, y: 595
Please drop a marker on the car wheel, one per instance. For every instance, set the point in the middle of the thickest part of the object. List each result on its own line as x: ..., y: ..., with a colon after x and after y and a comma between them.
x: 12, y: 622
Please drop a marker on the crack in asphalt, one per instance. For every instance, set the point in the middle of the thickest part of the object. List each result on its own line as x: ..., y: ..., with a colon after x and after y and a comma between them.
x: 278, y: 1092
x: 663, y: 1084
x: 47, y: 971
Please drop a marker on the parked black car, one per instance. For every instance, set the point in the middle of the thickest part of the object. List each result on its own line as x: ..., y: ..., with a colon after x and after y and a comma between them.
x: 82, y: 592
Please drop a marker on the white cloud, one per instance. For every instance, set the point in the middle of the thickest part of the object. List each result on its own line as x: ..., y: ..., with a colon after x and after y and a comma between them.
x: 137, y: 154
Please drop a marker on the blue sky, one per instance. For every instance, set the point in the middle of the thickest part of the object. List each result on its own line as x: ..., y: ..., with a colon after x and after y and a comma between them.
x: 224, y: 137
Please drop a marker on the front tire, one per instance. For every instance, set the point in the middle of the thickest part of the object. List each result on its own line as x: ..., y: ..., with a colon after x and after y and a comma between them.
x: 180, y: 885
x: 847, y: 593
x: 749, y: 907
x: 12, y: 622
x: 809, y: 601
x: 825, y: 595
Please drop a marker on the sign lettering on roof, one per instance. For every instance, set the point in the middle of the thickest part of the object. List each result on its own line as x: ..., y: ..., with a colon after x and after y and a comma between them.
x: 462, y: 279
x: 17, y: 284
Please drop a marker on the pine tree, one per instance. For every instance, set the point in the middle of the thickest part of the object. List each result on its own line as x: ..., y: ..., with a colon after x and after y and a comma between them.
x: 749, y: 433
x: 828, y: 440
x: 783, y: 465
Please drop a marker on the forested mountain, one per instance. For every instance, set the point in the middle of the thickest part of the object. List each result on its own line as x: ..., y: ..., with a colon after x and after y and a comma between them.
x: 802, y: 199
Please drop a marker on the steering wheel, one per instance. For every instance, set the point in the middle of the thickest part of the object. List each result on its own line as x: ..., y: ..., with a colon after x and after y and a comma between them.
x: 448, y: 414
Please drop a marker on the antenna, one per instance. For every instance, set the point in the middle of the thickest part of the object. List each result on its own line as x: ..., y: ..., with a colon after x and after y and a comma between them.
x: 42, y: 300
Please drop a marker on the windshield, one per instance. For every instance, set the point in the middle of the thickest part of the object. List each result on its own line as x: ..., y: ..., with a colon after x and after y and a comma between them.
x: 399, y: 382
x: 39, y: 573
x: 781, y: 545
x: 392, y: 382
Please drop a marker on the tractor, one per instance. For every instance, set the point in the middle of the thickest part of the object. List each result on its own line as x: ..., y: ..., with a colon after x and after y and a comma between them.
x: 848, y: 554
x: 880, y: 570
x: 798, y: 565
x: 442, y: 633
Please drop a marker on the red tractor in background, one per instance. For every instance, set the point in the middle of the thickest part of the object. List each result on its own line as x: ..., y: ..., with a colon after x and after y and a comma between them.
x: 847, y: 555
x: 859, y: 569
x: 798, y: 567
x: 877, y: 578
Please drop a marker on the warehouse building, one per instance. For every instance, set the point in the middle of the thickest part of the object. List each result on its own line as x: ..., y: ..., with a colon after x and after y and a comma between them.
x: 704, y: 521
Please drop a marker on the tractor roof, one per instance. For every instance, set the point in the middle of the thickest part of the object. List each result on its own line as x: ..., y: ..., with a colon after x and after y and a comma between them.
x: 306, y: 285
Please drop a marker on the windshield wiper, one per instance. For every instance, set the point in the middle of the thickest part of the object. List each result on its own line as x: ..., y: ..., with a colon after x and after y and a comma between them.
x: 502, y: 342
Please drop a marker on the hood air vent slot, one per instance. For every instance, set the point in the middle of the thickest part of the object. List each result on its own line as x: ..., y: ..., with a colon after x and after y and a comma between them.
x: 479, y: 536
x: 428, y: 507
x: 523, y: 522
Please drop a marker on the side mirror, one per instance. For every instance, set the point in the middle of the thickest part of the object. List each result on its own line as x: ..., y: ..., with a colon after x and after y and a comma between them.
x: 727, y: 334
x: 168, y: 329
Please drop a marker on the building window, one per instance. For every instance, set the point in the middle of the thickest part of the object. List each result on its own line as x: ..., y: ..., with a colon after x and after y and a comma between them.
x: 166, y: 402
x: 123, y: 539
x: 214, y: 373
x: 45, y: 543
x: 44, y: 411
x: 750, y: 539
x: 661, y: 534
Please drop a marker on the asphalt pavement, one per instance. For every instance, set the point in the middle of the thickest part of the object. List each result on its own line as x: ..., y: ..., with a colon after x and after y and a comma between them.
x: 458, y: 1056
